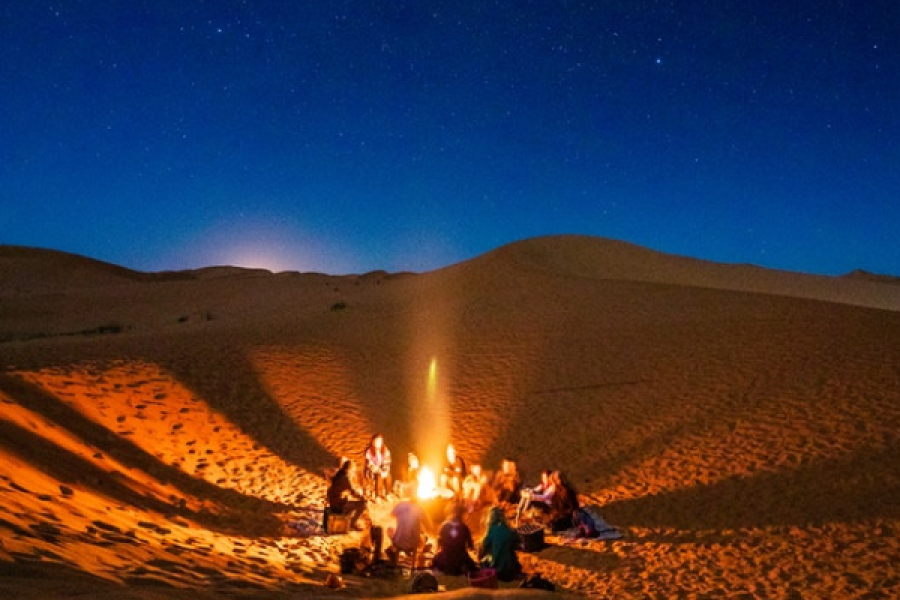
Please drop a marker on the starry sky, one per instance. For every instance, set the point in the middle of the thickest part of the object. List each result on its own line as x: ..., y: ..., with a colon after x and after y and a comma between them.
x: 347, y: 136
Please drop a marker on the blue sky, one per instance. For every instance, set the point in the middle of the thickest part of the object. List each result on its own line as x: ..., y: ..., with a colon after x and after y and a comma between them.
x: 351, y: 136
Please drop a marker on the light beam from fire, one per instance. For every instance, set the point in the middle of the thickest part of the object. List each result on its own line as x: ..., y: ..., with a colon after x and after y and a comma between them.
x: 432, y: 426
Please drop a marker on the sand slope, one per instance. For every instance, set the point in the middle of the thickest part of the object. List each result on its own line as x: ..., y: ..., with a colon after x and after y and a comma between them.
x: 742, y: 425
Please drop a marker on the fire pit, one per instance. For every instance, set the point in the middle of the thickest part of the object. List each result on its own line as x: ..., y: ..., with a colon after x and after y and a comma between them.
x: 435, y: 500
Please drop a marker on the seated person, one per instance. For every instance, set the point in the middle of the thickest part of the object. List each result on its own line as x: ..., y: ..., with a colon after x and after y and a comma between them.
x: 410, y: 477
x: 498, y: 548
x: 378, y: 468
x: 454, y: 542
x: 538, y: 497
x: 453, y: 471
x: 342, y: 498
x: 412, y: 522
x: 474, y: 488
x: 563, y: 503
x: 507, y: 485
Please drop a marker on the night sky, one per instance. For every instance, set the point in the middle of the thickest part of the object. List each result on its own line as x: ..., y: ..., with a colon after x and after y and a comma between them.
x: 317, y: 135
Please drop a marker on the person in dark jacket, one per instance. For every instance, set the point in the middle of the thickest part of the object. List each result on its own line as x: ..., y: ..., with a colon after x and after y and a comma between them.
x: 342, y: 498
x: 498, y: 548
x: 454, y: 542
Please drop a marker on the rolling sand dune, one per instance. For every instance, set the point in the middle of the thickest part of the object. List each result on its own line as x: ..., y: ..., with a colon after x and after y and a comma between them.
x: 166, y: 435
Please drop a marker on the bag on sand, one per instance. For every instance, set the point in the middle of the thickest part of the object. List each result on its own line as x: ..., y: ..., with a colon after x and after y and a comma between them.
x: 348, y: 559
x: 536, y: 582
x: 601, y: 529
x: 423, y: 582
x: 584, y: 523
x: 531, y: 538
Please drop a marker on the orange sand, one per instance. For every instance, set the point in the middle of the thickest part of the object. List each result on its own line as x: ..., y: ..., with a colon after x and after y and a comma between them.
x: 160, y: 434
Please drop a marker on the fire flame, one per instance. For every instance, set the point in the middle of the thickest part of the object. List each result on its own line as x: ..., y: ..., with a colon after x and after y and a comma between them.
x: 427, y: 484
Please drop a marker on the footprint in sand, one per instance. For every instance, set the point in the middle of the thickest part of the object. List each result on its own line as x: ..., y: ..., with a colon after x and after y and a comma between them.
x: 106, y: 526
x: 18, y: 487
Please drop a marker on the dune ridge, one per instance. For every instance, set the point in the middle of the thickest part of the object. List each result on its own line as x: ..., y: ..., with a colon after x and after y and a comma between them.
x: 592, y: 257
x: 741, y: 426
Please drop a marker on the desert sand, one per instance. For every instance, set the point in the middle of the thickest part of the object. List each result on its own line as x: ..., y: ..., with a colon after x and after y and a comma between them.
x: 166, y: 435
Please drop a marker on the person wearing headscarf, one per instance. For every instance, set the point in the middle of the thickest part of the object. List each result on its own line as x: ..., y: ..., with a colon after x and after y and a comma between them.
x: 498, y: 548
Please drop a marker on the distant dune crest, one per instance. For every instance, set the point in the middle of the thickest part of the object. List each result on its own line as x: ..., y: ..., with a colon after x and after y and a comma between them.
x: 35, y: 270
x: 600, y: 258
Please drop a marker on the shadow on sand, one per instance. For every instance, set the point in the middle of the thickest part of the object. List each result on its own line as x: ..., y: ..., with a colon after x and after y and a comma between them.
x: 243, y: 400
x: 63, y: 464
x: 860, y: 487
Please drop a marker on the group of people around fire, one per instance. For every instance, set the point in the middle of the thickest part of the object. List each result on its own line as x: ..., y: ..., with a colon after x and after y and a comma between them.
x: 465, y: 491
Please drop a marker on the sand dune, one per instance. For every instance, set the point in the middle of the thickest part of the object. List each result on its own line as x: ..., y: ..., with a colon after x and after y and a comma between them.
x: 166, y: 435
x: 586, y: 257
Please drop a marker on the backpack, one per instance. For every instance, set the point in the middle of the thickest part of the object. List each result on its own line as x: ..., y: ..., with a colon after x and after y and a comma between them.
x: 584, y: 523
x: 591, y: 524
x: 536, y: 582
x: 423, y: 582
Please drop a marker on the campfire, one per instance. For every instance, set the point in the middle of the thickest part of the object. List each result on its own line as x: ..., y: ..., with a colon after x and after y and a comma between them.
x: 428, y: 487
x: 427, y: 484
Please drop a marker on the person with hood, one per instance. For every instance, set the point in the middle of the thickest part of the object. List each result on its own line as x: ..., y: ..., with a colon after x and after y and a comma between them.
x: 454, y: 542
x: 498, y: 548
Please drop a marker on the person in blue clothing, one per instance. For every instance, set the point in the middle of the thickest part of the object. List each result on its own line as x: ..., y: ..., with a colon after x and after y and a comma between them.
x: 498, y: 548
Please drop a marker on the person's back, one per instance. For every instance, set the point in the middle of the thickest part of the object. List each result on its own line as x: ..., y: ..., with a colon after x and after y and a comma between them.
x: 454, y: 542
x: 408, y: 532
x: 336, y: 493
x: 500, y: 545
